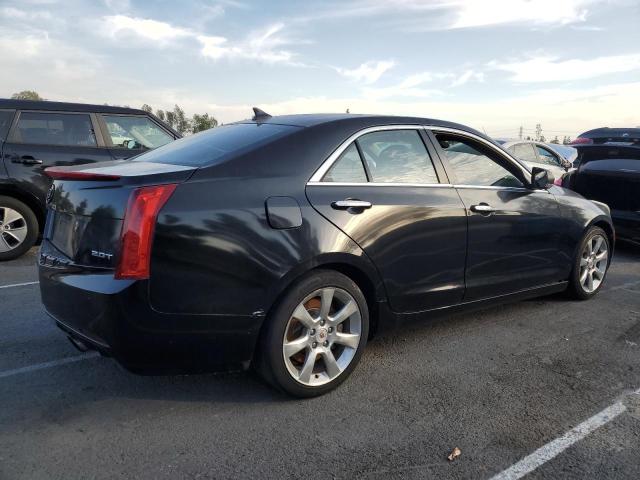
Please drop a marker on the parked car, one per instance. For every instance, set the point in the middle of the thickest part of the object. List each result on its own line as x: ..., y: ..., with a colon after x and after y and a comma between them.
x: 611, y: 174
x: 609, y: 136
x: 538, y: 154
x: 36, y: 135
x: 285, y: 242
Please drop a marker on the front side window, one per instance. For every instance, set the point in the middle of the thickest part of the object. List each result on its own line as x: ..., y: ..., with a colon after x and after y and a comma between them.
x: 138, y: 133
x: 547, y: 157
x: 524, y: 151
x: 6, y: 116
x: 71, y: 129
x: 347, y: 168
x: 472, y: 164
x: 397, y: 156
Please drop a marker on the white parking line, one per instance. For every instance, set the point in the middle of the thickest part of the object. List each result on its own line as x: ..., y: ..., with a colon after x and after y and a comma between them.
x: 552, y: 449
x: 18, y: 284
x: 53, y: 363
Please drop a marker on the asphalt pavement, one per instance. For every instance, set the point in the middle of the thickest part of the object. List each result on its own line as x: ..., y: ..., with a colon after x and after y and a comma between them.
x: 525, y: 387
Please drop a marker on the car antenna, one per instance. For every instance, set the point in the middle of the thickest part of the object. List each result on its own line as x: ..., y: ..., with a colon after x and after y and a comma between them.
x: 259, y: 114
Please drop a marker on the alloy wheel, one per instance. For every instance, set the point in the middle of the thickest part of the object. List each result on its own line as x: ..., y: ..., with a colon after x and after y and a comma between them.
x: 322, y: 336
x: 593, y: 263
x: 13, y: 229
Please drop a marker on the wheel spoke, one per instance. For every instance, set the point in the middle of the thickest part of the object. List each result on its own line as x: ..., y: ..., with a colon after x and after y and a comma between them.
x: 302, y: 315
x: 326, y: 301
x: 349, y: 309
x: 590, y: 281
x: 602, y: 256
x: 599, y: 272
x: 4, y: 246
x: 333, y: 369
x: 599, y: 241
x: 293, y: 347
x: 583, y: 276
x: 19, y: 234
x: 583, y: 261
x: 350, y: 340
x: 10, y: 216
x: 307, y: 368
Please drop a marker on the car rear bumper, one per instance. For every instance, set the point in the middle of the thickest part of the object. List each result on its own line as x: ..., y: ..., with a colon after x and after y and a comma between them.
x: 627, y: 224
x: 115, y: 318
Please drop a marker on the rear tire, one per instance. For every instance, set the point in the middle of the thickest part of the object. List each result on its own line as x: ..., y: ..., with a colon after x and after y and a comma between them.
x: 591, y: 264
x: 18, y: 228
x: 315, y: 335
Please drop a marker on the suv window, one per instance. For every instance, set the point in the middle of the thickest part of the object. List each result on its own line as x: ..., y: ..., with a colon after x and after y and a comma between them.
x: 397, y: 156
x: 6, y: 117
x: 547, y: 157
x: 135, y: 132
x: 347, y: 168
x: 44, y: 128
x: 472, y: 165
x: 213, y: 146
x: 524, y: 151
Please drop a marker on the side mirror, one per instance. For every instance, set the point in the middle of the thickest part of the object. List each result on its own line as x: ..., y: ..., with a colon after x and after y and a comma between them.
x: 541, y: 178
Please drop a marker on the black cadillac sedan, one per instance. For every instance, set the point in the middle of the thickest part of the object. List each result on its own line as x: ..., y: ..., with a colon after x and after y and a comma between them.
x: 285, y: 243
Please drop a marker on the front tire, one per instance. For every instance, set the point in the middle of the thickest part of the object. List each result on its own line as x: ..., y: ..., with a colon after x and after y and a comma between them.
x: 591, y: 264
x: 18, y: 228
x: 315, y: 335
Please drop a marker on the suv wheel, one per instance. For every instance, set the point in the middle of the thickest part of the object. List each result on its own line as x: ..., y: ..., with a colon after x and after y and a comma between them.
x: 590, y: 265
x: 315, y: 336
x: 18, y: 228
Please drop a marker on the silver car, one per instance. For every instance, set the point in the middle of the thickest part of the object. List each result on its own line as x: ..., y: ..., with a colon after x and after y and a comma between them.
x: 538, y: 154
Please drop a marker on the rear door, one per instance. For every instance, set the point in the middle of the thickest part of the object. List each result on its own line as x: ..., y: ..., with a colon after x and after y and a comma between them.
x: 41, y: 139
x: 130, y: 135
x: 383, y: 188
x: 514, y: 232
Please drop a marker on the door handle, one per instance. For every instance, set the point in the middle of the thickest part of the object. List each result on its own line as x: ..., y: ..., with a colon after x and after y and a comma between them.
x: 483, y: 208
x: 350, y: 203
x: 26, y: 160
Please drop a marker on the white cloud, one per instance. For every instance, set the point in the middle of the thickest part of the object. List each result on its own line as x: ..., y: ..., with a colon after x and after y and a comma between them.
x: 551, y: 69
x: 162, y: 32
x: 13, y: 13
x: 466, y: 77
x: 265, y: 45
x: 411, y: 86
x: 368, y: 72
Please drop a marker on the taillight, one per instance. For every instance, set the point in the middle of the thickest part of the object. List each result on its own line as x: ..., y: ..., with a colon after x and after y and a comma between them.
x: 61, y: 173
x: 137, y: 230
x: 581, y: 141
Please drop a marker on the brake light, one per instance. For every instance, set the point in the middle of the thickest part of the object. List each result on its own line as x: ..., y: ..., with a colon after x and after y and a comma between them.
x: 61, y: 173
x: 581, y: 141
x: 137, y: 230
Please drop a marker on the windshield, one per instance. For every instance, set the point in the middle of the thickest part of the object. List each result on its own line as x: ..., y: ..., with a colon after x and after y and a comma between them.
x: 212, y: 146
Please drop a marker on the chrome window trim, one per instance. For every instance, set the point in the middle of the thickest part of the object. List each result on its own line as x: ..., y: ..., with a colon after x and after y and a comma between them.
x: 377, y: 184
x: 316, y: 178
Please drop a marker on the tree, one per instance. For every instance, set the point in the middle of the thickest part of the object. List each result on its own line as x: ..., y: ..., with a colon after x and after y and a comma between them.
x: 182, y: 123
x: 202, y: 122
x: 542, y: 139
x: 147, y: 108
x: 26, y: 95
x: 160, y: 115
x: 555, y: 140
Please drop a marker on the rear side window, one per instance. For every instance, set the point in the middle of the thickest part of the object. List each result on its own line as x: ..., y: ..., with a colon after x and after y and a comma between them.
x: 70, y: 129
x: 547, y: 157
x: 397, y: 156
x: 6, y: 117
x: 347, y: 168
x: 214, y: 145
x: 524, y: 151
x: 137, y: 133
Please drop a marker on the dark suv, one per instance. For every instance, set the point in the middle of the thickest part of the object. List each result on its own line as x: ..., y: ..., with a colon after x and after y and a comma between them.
x: 35, y: 135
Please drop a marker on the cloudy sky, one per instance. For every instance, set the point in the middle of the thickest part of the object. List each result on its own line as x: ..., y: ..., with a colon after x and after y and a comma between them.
x: 493, y: 64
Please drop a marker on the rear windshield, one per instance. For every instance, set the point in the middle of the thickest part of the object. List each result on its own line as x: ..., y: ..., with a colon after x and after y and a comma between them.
x: 212, y: 146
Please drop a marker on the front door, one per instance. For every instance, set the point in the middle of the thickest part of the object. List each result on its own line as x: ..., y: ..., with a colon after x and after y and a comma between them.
x: 514, y: 230
x: 385, y: 192
x: 44, y: 139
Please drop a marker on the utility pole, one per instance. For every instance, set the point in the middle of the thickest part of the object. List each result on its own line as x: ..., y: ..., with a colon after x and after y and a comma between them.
x: 520, y: 133
x: 538, y: 131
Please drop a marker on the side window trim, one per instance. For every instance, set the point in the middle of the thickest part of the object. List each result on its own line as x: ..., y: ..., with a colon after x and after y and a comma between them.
x: 13, y: 130
x: 441, y: 174
x: 513, y: 166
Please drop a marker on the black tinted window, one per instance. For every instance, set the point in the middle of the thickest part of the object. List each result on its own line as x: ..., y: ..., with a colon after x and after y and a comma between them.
x: 397, y: 156
x: 211, y: 146
x: 347, y: 168
x: 6, y: 116
x: 472, y: 166
x: 72, y: 129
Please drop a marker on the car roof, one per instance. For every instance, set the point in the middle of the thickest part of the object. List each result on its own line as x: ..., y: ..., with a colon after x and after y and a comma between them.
x: 610, y: 132
x: 357, y: 120
x: 65, y: 107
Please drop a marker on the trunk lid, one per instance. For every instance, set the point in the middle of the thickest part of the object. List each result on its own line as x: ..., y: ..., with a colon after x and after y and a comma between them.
x: 85, y: 216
